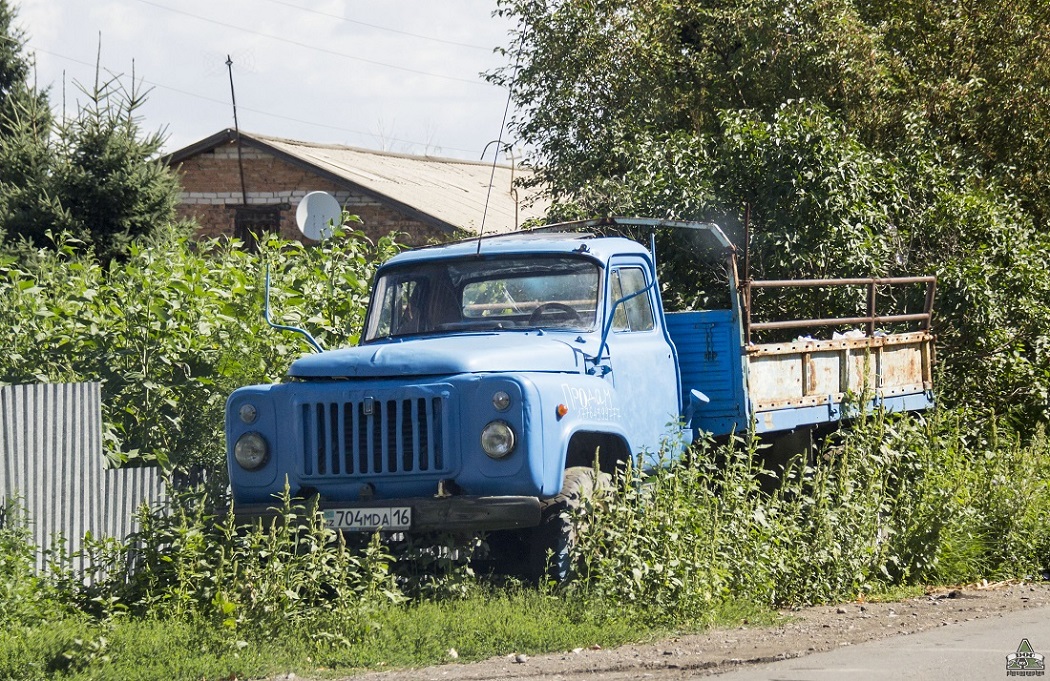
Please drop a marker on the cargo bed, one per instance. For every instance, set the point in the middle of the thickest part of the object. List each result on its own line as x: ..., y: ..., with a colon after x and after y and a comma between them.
x: 805, y: 382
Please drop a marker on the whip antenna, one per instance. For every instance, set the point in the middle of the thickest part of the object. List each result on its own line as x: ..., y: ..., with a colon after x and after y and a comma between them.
x: 499, y: 143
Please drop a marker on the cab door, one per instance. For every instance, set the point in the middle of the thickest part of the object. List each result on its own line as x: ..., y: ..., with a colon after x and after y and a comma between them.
x: 641, y: 356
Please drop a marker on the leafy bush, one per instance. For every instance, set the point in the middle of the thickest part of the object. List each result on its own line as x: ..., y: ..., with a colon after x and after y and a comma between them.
x: 265, y: 579
x: 26, y: 597
x: 175, y: 327
x: 949, y: 497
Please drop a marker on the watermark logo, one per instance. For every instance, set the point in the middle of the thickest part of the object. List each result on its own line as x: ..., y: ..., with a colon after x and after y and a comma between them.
x: 1025, y: 662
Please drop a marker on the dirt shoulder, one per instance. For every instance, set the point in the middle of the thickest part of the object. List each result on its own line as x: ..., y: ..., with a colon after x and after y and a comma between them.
x: 808, y: 630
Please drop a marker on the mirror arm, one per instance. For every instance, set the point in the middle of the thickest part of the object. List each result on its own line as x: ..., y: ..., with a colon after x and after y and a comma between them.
x: 281, y: 327
x: 608, y: 325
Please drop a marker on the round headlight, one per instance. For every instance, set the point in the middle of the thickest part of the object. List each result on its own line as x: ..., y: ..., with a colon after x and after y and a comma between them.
x: 251, y: 451
x: 248, y: 413
x: 497, y: 439
x: 501, y: 400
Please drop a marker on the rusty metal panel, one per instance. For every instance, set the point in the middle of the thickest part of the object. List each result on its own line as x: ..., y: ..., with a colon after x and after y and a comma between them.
x: 862, y: 368
x: 811, y: 372
x: 902, y: 369
x: 51, y: 462
x: 774, y: 379
x: 825, y: 373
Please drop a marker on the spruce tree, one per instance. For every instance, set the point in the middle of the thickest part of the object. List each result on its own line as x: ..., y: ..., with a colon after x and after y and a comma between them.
x: 95, y: 175
x: 28, y: 207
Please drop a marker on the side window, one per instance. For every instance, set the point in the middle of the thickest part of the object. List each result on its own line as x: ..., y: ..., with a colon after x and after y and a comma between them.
x: 399, y: 313
x: 637, y: 313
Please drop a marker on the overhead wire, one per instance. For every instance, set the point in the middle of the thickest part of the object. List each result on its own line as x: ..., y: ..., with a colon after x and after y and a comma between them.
x: 381, y: 28
x: 224, y: 103
x: 153, y: 84
x: 315, y: 47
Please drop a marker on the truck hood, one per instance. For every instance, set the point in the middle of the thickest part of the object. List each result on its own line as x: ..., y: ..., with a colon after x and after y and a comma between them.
x: 474, y: 353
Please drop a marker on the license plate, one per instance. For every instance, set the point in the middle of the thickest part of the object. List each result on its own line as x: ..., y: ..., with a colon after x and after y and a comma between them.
x: 392, y: 518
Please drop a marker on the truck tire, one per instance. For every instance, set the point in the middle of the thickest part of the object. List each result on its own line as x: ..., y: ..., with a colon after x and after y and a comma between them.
x: 553, y: 539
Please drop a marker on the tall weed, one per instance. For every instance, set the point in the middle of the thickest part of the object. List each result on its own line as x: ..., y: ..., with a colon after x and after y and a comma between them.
x: 265, y: 578
x: 26, y: 596
x: 894, y: 499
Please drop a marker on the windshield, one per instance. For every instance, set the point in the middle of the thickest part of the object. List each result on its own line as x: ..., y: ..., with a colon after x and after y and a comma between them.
x: 550, y: 292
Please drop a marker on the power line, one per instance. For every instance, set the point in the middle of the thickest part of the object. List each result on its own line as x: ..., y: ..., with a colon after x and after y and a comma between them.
x: 381, y: 28
x: 315, y: 47
x: 224, y: 103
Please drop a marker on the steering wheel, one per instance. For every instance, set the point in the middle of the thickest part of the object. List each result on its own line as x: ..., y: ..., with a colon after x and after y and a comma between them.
x: 567, y: 314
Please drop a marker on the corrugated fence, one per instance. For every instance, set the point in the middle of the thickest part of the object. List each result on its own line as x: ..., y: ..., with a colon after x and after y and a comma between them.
x: 51, y: 462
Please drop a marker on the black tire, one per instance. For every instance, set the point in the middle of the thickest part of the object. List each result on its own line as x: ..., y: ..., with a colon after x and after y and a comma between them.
x: 553, y: 539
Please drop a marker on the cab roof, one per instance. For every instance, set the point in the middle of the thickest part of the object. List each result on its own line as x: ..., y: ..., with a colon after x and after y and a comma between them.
x: 599, y: 248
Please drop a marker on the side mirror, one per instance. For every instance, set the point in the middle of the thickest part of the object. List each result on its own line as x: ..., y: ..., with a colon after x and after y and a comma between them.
x: 696, y: 400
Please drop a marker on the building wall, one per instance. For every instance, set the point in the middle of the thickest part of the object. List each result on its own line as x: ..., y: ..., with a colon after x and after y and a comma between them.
x: 211, y: 192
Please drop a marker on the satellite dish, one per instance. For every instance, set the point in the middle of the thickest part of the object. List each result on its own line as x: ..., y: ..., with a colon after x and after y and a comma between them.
x: 316, y: 214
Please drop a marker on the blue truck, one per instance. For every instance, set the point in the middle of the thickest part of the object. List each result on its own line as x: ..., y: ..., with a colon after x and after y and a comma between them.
x: 492, y: 374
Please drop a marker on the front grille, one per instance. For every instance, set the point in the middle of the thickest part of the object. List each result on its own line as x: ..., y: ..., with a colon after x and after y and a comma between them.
x: 374, y: 436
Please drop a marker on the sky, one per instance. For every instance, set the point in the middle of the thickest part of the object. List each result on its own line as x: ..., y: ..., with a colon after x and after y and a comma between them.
x: 391, y: 75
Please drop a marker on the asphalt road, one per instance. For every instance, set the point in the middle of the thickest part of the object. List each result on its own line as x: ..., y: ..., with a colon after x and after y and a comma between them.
x: 969, y: 650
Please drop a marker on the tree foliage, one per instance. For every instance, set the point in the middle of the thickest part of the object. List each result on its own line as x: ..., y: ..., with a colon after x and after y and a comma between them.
x: 14, y: 67
x: 865, y: 139
x: 112, y: 184
x: 26, y: 153
x: 979, y: 73
x: 588, y: 75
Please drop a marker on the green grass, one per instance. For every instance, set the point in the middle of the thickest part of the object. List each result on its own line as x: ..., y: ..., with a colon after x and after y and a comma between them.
x: 134, y: 649
x: 891, y: 593
x: 485, y: 624
x: 489, y: 622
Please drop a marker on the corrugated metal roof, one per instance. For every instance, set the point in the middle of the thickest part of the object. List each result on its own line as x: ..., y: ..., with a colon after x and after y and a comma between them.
x: 453, y: 191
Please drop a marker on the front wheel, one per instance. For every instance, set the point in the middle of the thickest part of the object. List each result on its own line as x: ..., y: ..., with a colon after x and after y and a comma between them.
x: 554, y: 538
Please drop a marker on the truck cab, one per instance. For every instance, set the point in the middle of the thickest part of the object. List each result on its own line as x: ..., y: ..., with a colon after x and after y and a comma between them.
x: 484, y: 372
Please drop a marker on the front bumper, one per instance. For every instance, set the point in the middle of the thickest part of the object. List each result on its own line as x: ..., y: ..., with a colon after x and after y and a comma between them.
x: 453, y: 513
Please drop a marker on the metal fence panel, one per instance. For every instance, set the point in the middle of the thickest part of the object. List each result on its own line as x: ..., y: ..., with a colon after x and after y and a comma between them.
x: 52, y: 463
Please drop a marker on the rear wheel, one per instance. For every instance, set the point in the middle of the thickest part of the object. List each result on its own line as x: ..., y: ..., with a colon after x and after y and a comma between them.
x: 553, y: 539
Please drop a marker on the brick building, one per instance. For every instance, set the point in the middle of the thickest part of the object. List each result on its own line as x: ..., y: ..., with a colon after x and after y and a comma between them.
x: 255, y: 186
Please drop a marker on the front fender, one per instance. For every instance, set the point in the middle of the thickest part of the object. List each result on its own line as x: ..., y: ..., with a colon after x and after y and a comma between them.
x: 591, y: 405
